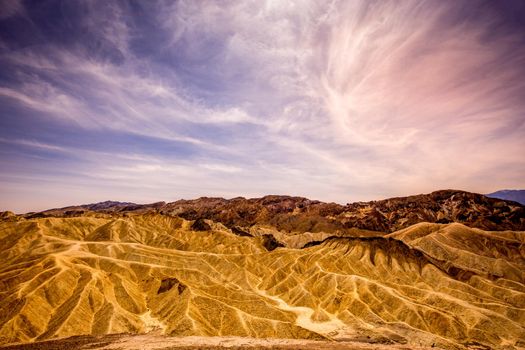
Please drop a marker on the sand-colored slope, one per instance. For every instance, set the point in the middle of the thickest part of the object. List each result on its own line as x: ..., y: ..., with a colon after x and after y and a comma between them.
x: 495, y: 255
x: 140, y: 273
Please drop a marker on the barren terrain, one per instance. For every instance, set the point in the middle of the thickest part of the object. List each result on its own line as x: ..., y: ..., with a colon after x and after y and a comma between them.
x: 145, y: 270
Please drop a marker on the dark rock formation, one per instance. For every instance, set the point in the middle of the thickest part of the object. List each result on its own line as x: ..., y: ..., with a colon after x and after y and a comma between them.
x: 200, y: 225
x: 298, y: 214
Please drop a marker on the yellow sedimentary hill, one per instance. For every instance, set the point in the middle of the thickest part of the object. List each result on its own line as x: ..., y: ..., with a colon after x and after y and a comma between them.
x: 442, y: 285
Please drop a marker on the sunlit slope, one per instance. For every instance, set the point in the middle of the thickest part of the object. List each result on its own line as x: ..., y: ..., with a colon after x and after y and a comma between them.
x: 463, y: 251
x: 140, y: 273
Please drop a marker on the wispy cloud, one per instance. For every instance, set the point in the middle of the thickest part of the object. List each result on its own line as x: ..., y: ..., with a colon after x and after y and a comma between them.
x: 342, y: 100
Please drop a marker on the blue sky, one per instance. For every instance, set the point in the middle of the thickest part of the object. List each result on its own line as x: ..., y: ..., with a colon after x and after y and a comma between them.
x: 333, y: 100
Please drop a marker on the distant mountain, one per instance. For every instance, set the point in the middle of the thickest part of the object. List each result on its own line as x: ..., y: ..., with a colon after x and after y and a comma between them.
x: 298, y: 214
x: 107, y: 205
x: 511, y: 195
x: 104, y: 207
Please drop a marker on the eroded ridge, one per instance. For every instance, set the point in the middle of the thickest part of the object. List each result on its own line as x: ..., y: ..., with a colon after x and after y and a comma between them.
x: 442, y: 285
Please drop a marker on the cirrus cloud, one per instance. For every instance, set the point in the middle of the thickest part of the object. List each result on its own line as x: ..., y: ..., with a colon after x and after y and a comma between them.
x: 340, y: 101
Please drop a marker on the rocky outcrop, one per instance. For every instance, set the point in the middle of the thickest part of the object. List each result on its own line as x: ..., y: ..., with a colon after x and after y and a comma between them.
x: 446, y: 206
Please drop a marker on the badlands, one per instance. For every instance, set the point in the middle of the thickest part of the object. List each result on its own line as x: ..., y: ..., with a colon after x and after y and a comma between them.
x: 441, y: 270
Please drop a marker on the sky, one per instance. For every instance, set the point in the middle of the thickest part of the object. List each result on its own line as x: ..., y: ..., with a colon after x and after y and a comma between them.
x: 343, y: 101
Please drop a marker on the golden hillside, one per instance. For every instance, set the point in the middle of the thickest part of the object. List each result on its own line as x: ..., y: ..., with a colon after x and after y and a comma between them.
x: 443, y: 285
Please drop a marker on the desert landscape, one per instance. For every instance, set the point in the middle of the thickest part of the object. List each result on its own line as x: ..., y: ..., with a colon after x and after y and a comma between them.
x: 445, y: 270
x: 262, y: 174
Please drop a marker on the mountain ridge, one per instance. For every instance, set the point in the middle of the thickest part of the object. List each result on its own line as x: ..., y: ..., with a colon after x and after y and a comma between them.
x: 302, y: 215
x: 513, y: 195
